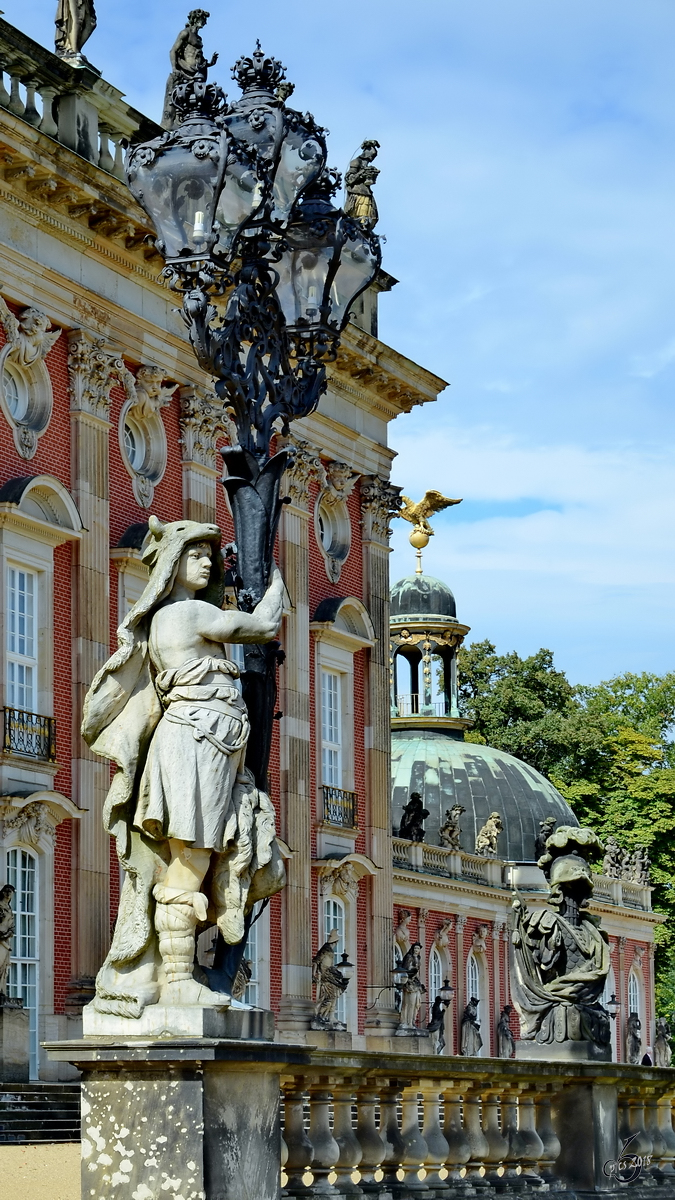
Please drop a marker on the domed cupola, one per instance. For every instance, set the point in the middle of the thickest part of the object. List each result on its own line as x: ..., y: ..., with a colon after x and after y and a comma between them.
x: 425, y: 636
x: 429, y: 754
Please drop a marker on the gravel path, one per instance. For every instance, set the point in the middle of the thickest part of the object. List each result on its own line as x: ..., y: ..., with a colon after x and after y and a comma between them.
x: 50, y: 1172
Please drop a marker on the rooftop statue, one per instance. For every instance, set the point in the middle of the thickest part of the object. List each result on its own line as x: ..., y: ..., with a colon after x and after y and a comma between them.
x: 450, y: 832
x: 75, y: 23
x: 486, y: 838
x: 412, y: 819
x: 359, y: 179
x: 546, y: 828
x: 167, y: 711
x: 560, y: 958
x: 612, y: 863
x: 189, y: 64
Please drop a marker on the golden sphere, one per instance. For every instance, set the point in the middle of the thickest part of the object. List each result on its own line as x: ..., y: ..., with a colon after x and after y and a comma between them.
x: 419, y: 539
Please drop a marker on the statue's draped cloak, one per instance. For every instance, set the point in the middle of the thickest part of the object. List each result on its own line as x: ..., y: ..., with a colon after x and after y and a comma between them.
x: 537, y: 940
x: 121, y: 712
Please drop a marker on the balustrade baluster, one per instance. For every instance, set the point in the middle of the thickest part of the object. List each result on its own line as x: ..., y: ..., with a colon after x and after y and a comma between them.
x: 415, y: 1151
x: 459, y: 1146
x: 4, y: 94
x: 549, y: 1138
x: 118, y: 165
x: 326, y: 1149
x: 47, y: 124
x: 512, y: 1177
x: 373, y: 1146
x: 498, y: 1145
x: 299, y: 1147
x: 105, y: 158
x: 532, y: 1147
x: 664, y: 1108
x: 475, y: 1171
x: 31, y: 112
x: 348, y: 1143
x: 641, y: 1143
x: 437, y: 1147
x: 394, y: 1146
x: 16, y: 104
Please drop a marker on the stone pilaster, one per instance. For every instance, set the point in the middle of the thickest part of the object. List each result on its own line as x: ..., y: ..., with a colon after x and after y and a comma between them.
x: 297, y: 801
x: 623, y: 999
x: 460, y: 973
x: 497, y: 927
x: 93, y: 371
x: 379, y: 500
x: 202, y: 421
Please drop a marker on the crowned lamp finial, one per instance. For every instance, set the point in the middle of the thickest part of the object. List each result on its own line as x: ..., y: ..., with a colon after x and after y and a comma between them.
x: 418, y: 515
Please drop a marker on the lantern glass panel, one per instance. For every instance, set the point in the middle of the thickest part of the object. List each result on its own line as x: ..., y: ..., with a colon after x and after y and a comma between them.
x: 300, y: 161
x: 358, y: 267
x: 240, y: 198
x: 173, y: 189
x: 303, y: 272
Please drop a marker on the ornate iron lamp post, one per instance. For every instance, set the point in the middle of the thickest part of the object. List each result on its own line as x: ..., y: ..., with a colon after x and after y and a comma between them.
x: 241, y: 199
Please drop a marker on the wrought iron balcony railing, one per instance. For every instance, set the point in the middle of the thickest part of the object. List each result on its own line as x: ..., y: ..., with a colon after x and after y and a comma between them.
x: 29, y: 734
x: 409, y: 706
x: 339, y: 806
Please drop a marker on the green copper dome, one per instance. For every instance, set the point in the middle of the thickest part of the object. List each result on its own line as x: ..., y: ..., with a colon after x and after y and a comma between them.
x: 447, y: 771
x: 421, y: 596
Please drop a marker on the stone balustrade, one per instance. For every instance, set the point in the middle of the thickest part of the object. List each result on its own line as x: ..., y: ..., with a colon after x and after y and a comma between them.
x: 495, y: 872
x: 379, y: 1125
x: 71, y: 105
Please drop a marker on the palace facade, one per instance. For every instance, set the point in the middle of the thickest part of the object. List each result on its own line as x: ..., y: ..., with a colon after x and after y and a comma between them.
x: 105, y: 418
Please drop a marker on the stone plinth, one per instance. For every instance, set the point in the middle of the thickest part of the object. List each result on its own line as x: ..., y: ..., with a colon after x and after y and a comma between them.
x: 159, y: 1021
x: 586, y: 1115
x: 196, y: 1117
x: 567, y: 1051
x: 14, y: 1042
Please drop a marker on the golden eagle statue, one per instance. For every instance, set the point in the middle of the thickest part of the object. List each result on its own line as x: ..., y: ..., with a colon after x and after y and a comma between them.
x: 418, y: 516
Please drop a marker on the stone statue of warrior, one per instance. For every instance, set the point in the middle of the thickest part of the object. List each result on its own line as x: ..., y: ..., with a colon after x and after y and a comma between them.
x: 75, y: 23
x: 167, y: 711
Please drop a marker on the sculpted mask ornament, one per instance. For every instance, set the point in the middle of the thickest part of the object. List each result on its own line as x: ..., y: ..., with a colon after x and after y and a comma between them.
x: 166, y: 710
x: 560, y: 957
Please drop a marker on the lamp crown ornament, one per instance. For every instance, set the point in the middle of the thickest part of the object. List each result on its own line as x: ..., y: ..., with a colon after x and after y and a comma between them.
x: 258, y: 72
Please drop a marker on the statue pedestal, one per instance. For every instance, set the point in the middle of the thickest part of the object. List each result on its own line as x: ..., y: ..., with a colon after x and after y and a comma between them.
x: 14, y: 1042
x: 159, y: 1020
x: 179, y: 1116
x: 585, y: 1119
x: 568, y: 1051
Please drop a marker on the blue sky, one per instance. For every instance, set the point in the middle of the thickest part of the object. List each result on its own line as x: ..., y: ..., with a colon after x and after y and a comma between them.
x: 528, y: 199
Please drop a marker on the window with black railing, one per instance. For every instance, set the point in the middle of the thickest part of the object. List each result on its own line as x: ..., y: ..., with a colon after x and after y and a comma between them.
x: 339, y: 806
x: 29, y: 734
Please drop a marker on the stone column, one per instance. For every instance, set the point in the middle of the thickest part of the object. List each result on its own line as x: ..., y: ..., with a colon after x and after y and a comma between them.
x: 93, y: 370
x: 297, y: 802
x: 202, y: 420
x: 379, y: 500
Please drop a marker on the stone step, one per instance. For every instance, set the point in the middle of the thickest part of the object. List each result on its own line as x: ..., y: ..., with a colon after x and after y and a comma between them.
x: 39, y: 1112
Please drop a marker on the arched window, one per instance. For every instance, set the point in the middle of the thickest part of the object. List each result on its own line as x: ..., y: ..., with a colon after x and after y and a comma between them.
x: 473, y: 980
x: 22, y: 873
x: 334, y: 918
x: 435, y: 975
x: 634, y: 996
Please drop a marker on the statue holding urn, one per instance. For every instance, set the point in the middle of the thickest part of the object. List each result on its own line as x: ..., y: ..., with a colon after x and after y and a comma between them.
x: 194, y: 834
